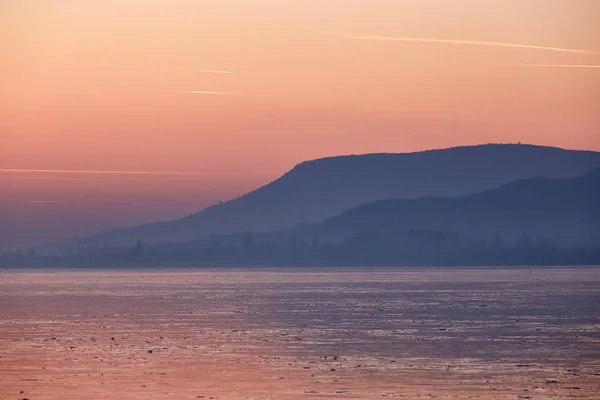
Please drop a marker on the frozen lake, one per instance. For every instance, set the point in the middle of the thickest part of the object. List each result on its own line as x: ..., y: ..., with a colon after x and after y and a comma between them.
x: 360, y: 333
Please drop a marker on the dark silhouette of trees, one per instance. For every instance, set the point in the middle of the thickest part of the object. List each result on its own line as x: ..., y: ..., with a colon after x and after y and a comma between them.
x: 249, y: 244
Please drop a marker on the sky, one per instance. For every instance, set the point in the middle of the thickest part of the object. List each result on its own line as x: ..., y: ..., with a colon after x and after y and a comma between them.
x: 118, y: 112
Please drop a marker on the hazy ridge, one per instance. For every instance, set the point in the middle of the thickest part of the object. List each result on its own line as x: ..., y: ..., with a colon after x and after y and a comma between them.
x: 320, y: 189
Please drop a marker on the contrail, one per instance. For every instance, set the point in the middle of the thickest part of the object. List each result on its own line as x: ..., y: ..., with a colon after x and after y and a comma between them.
x: 52, y: 202
x: 549, y: 65
x: 107, y: 172
x: 467, y: 42
x: 51, y: 178
x: 206, y: 71
x: 202, y: 92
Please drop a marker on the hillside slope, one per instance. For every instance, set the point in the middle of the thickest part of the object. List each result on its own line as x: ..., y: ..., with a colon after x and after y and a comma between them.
x: 566, y: 211
x: 315, y: 190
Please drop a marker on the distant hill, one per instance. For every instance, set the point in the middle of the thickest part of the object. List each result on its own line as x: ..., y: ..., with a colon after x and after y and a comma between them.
x: 565, y: 212
x: 315, y: 190
x: 538, y: 221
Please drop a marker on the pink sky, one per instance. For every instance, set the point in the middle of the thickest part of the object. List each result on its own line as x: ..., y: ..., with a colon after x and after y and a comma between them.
x: 214, y: 98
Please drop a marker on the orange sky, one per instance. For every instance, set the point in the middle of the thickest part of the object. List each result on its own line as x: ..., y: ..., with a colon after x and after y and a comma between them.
x: 232, y: 93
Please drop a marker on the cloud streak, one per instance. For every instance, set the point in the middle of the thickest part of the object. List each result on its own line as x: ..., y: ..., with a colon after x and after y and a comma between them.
x: 548, y: 65
x: 52, y: 202
x: 203, y: 92
x: 466, y: 42
x: 205, y: 71
x: 106, y: 172
x: 52, y: 178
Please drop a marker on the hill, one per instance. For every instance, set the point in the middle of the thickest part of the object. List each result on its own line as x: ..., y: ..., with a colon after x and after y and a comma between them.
x: 537, y: 221
x: 315, y: 190
x: 563, y: 211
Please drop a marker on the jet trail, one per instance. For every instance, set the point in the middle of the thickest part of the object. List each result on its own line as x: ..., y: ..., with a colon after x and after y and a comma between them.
x: 467, y: 42
x: 107, y: 172
x: 202, y: 92
x: 549, y: 65
x: 52, y: 202
x: 52, y: 178
x: 206, y: 71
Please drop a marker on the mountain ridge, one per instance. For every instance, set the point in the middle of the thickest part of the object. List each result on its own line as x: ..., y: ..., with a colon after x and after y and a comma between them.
x: 560, y: 209
x: 317, y: 189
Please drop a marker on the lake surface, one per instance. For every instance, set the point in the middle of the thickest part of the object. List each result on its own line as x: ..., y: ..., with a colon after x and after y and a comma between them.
x: 504, y: 333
